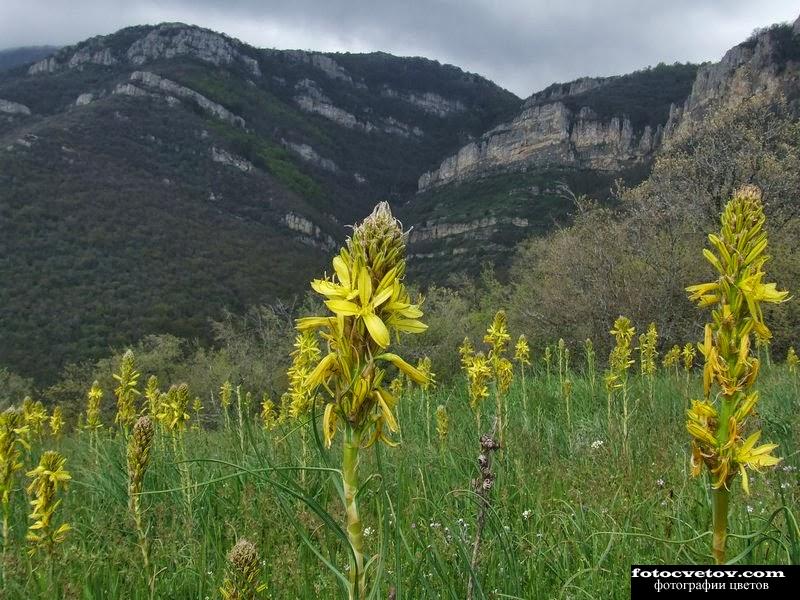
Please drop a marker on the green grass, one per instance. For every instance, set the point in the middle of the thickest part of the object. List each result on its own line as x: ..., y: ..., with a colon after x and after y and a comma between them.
x: 568, y: 516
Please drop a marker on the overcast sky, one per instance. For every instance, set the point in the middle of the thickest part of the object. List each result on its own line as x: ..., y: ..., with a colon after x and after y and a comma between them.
x: 523, y: 45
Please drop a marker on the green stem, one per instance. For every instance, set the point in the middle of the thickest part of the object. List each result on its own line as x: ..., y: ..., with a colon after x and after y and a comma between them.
x: 720, y: 498
x: 351, y: 446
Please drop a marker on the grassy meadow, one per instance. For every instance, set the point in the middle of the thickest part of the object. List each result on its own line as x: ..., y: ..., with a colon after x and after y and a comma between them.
x: 569, y: 510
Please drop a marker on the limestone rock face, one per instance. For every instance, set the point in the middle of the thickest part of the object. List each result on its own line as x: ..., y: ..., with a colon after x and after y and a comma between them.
x: 478, y: 229
x: 13, y: 108
x: 163, y: 42
x: 310, y: 234
x: 308, y: 154
x: 84, y: 99
x: 311, y: 99
x: 549, y: 134
x: 430, y: 102
x: 168, y: 41
x: 226, y: 158
x: 170, y: 88
x: 756, y: 66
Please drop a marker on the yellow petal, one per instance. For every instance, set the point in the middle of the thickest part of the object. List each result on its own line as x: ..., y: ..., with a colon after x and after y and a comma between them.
x: 377, y: 329
x: 415, y: 374
x: 341, y: 271
x: 343, y: 307
x: 364, y: 287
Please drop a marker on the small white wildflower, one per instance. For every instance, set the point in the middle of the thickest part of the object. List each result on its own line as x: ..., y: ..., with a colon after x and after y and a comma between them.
x: 660, y: 482
x: 368, y: 531
x: 526, y: 514
x: 435, y: 525
x: 597, y: 444
x: 750, y: 508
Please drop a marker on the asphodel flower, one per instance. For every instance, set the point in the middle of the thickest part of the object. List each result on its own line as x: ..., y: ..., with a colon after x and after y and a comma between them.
x: 479, y: 374
x: 126, y: 392
x: 138, y: 455
x: 672, y: 357
x: 616, y: 379
x: 225, y: 398
x: 648, y: 352
x: 688, y: 353
x: 47, y: 478
x: 13, y: 432
x: 466, y: 352
x: 93, y: 398
x: 242, y: 573
x: 153, y: 395
x: 522, y: 351
x: 35, y: 416
x: 174, y: 406
x: 791, y: 360
x: 56, y: 421
x: 368, y: 302
x: 197, y: 409
x: 717, y: 424
x: 269, y: 413
x: 497, y: 336
x: 304, y: 357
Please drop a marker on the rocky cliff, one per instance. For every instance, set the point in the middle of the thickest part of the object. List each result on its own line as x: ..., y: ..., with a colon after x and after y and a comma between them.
x: 767, y: 63
x: 548, y: 135
x: 603, y: 124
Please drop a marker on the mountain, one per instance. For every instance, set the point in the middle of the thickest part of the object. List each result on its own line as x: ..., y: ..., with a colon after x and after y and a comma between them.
x: 151, y: 178
x: 510, y: 182
x: 13, y: 57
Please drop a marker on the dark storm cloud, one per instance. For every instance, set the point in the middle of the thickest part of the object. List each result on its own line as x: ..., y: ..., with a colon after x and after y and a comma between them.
x: 522, y: 45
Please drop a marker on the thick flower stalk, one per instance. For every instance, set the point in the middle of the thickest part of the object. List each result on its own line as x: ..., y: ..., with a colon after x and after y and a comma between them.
x: 619, y: 364
x: 718, y: 424
x: 242, y: 573
x: 126, y: 391
x: 368, y: 301
x: 13, y: 432
x: 140, y: 444
x: 47, y: 479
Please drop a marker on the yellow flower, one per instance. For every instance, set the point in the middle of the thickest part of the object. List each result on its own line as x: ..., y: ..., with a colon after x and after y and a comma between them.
x: 522, y: 351
x: 368, y: 301
x: 738, y: 256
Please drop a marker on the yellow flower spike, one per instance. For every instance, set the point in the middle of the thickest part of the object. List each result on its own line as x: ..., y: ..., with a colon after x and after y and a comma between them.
x: 738, y: 255
x: 368, y: 304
